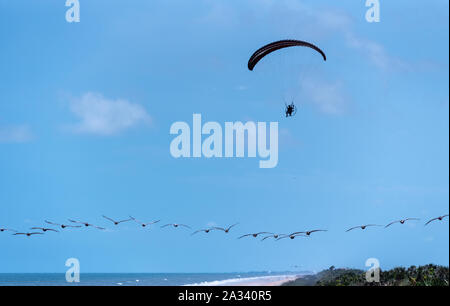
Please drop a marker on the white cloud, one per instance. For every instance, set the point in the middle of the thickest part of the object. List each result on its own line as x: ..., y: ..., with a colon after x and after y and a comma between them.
x: 328, y: 97
x: 15, y: 134
x: 102, y: 116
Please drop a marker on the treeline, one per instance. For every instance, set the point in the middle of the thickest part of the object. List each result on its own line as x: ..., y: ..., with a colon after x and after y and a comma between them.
x: 429, y: 275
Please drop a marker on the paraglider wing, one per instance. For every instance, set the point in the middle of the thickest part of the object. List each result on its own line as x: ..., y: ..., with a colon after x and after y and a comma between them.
x: 267, y: 49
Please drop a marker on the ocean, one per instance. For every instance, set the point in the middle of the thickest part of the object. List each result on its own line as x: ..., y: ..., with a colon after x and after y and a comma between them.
x: 145, y: 279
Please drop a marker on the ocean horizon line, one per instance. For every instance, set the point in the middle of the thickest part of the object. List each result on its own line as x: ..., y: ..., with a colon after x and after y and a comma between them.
x: 150, y: 279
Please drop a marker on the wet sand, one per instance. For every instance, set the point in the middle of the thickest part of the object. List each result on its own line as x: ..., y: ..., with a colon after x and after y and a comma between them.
x: 275, y: 281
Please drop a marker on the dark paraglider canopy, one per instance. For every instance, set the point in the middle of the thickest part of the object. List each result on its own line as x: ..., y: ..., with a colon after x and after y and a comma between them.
x: 267, y: 49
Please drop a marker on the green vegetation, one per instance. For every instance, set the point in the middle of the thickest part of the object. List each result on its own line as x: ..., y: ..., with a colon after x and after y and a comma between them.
x: 429, y: 275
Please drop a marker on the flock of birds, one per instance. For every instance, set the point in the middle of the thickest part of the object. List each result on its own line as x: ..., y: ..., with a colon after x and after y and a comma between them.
x: 264, y: 235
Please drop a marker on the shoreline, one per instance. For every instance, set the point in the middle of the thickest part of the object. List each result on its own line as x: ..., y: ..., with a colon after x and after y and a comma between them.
x: 275, y: 280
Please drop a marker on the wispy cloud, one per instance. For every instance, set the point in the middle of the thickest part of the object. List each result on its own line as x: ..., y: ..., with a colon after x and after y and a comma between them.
x: 15, y: 134
x: 332, y: 21
x: 102, y: 116
x: 327, y: 97
x: 375, y: 52
x: 311, y: 23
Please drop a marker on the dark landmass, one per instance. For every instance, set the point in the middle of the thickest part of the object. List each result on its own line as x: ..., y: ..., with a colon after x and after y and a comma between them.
x: 429, y: 275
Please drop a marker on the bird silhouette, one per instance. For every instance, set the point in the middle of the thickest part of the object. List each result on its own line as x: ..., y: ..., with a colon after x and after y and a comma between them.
x: 86, y: 224
x: 63, y: 226
x: 44, y: 229
x: 440, y: 218
x: 7, y: 230
x: 293, y: 235
x: 206, y: 230
x: 363, y: 227
x: 176, y: 225
x: 29, y: 234
x: 310, y: 232
x: 275, y: 236
x: 226, y: 230
x: 254, y: 235
x: 144, y: 224
x: 401, y: 221
x: 116, y: 222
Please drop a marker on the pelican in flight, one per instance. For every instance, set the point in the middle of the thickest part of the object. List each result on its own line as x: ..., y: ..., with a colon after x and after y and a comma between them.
x: 206, y: 230
x: 293, y: 235
x: 116, y: 222
x: 176, y: 225
x: 274, y: 236
x: 63, y: 226
x: 87, y: 224
x: 401, y: 221
x: 7, y: 230
x: 29, y: 234
x: 363, y: 227
x: 437, y: 218
x: 226, y: 230
x: 254, y: 235
x: 143, y: 224
x: 44, y: 229
x: 309, y: 232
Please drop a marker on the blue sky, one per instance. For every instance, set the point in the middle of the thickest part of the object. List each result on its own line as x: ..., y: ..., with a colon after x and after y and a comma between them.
x: 85, y: 112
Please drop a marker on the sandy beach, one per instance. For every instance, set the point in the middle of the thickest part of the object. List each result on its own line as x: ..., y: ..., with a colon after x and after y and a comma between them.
x: 268, y: 282
x: 276, y: 280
